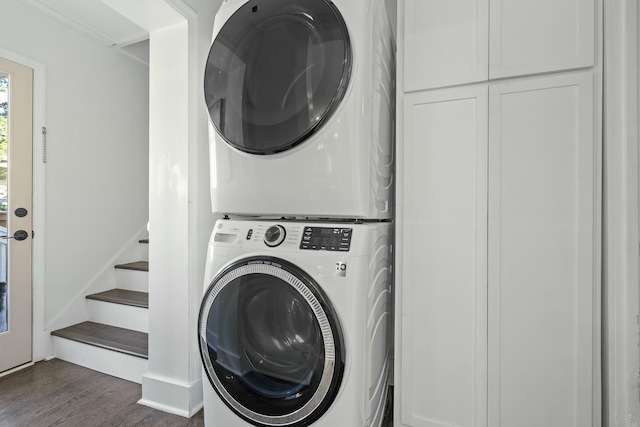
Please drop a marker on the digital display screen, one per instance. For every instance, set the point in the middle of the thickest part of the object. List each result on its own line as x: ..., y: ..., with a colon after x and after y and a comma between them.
x: 326, y: 239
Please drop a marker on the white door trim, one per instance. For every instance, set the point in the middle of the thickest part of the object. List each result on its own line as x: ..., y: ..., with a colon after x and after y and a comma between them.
x: 621, y: 236
x: 39, y: 156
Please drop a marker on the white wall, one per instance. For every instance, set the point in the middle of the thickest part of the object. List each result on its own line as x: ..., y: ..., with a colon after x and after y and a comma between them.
x: 87, y: 83
x: 180, y: 217
x: 97, y: 172
x: 202, y: 218
x: 166, y: 386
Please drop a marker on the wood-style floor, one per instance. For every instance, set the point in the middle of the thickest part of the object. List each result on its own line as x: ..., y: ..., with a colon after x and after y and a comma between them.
x: 58, y: 393
x: 61, y: 394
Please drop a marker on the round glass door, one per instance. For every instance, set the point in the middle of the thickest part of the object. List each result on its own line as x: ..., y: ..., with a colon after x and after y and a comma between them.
x: 270, y: 343
x: 276, y: 71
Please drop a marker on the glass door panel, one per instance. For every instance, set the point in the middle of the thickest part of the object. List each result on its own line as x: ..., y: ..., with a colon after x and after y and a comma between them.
x: 16, y: 193
x: 4, y: 111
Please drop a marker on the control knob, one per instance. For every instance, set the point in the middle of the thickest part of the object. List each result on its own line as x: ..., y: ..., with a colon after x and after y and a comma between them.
x: 274, y: 236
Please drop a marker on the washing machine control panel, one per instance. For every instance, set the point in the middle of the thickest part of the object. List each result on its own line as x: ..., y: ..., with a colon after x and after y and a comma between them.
x: 283, y: 236
x: 274, y: 235
x: 326, y: 239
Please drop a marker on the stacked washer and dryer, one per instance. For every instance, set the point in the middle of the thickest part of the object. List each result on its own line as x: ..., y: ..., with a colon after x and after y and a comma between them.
x: 295, y: 323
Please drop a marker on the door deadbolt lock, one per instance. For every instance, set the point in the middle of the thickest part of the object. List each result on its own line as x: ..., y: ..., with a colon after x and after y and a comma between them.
x: 18, y: 235
x: 21, y: 212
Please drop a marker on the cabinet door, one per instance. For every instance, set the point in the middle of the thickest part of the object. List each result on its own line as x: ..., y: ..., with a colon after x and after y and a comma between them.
x: 543, y: 258
x: 442, y: 372
x: 535, y: 36
x: 446, y: 42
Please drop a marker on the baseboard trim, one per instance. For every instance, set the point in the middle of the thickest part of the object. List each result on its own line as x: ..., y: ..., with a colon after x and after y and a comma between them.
x: 171, y: 396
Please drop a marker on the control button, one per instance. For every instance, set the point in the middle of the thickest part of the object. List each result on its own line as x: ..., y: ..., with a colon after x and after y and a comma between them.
x: 274, y: 235
x: 249, y: 234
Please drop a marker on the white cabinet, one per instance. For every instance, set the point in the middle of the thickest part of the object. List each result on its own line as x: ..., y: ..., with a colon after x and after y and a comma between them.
x: 446, y: 42
x: 540, y: 36
x: 498, y: 208
x: 451, y: 42
x: 442, y: 375
x: 497, y: 294
x: 543, y: 257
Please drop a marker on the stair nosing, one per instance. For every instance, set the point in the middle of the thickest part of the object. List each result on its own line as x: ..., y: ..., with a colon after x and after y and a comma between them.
x: 104, y: 336
x: 135, y: 266
x: 122, y: 297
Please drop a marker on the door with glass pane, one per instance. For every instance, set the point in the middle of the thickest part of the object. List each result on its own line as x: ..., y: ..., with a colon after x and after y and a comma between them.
x: 16, y: 144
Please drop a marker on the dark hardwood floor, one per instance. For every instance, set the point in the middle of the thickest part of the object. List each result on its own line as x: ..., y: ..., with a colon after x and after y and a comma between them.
x: 58, y: 393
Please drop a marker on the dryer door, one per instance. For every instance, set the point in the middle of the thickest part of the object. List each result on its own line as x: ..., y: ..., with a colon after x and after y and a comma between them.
x: 271, y: 343
x: 276, y: 71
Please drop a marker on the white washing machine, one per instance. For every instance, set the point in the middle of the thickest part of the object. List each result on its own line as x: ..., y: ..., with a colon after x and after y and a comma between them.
x: 301, y: 100
x: 295, y: 322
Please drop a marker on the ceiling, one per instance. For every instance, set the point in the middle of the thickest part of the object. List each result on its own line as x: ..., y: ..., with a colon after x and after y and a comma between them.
x: 99, y: 22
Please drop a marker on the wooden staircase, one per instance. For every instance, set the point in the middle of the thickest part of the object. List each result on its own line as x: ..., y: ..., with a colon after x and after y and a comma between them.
x: 115, y: 338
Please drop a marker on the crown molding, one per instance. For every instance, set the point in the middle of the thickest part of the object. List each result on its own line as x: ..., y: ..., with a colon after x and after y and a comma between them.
x: 83, y: 28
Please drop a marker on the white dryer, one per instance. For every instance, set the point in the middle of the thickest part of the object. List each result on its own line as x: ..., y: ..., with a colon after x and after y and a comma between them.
x: 294, y: 325
x: 300, y: 95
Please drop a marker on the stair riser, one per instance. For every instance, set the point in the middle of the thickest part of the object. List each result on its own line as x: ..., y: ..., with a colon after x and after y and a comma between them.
x: 119, y: 365
x: 122, y: 316
x: 144, y: 251
x: 132, y: 280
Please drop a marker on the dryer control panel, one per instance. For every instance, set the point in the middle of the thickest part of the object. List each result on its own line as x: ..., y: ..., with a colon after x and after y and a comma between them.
x: 326, y: 239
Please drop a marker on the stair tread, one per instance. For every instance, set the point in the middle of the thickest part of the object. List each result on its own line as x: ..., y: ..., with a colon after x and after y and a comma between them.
x: 113, y: 338
x: 137, y: 265
x: 123, y: 296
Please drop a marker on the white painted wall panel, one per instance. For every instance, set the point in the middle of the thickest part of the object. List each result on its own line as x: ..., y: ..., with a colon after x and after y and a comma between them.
x: 180, y: 207
x: 97, y: 173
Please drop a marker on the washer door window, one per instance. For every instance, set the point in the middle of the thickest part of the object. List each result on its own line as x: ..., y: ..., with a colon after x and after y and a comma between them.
x: 276, y: 71
x: 270, y: 343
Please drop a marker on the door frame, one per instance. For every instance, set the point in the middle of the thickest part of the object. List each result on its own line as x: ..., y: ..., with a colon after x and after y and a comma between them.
x: 39, y: 169
x: 621, y: 233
